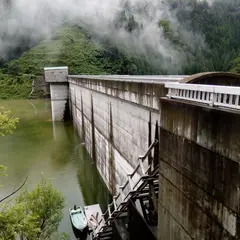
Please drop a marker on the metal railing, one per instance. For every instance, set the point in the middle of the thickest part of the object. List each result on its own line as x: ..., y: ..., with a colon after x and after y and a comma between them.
x: 126, y: 191
x: 221, y: 96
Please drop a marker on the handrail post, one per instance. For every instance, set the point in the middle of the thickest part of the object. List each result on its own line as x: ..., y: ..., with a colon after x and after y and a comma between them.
x: 109, y: 211
x: 114, y: 202
x: 169, y: 95
x: 141, y: 166
x: 213, y: 98
x: 130, y: 181
x: 121, y: 193
x: 103, y: 217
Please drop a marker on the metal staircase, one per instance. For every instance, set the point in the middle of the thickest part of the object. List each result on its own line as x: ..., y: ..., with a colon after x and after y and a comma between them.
x: 141, y: 184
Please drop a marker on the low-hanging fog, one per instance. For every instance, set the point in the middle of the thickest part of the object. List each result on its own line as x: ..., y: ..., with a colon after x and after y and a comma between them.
x: 37, y: 19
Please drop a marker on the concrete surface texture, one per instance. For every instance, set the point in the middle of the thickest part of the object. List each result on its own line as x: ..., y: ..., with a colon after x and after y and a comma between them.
x: 199, y: 172
x: 113, y: 118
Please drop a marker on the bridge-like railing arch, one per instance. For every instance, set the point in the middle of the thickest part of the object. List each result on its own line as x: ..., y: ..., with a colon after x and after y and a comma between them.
x: 219, y: 96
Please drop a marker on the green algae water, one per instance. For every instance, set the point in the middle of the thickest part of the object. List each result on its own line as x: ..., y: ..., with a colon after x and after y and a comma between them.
x: 39, y: 146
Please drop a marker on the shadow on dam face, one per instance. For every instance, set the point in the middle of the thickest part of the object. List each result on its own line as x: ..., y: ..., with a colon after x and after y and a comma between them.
x: 67, y: 113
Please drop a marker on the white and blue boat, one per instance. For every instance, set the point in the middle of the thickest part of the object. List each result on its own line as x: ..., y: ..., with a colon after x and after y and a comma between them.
x: 78, y: 218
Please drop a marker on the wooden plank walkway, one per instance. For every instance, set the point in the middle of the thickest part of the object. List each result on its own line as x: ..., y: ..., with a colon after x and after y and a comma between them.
x: 94, y: 216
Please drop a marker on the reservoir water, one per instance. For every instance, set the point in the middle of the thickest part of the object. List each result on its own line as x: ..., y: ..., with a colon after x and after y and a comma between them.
x: 39, y: 146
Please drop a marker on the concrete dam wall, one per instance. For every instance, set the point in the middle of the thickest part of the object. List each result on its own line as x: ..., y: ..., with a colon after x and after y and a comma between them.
x: 199, y: 146
x: 115, y: 120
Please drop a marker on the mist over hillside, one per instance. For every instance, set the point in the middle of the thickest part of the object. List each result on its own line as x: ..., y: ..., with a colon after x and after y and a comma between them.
x: 171, y: 36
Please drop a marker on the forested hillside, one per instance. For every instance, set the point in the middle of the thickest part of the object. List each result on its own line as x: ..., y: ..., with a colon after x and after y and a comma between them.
x: 172, y: 37
x: 68, y: 47
x: 220, y: 26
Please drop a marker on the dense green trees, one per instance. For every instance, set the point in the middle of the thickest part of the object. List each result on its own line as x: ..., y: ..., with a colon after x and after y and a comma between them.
x: 34, y: 215
x: 43, y: 209
x: 236, y: 65
x: 206, y: 36
x: 211, y: 36
x: 219, y: 24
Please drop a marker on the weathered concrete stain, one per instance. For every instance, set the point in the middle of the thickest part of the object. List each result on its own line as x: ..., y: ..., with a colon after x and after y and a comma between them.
x: 156, y: 149
x: 83, y: 122
x: 129, y: 124
x: 112, y: 170
x: 199, y: 179
x: 150, y: 136
x: 139, y: 93
x: 194, y: 124
x: 67, y: 113
x: 94, y: 156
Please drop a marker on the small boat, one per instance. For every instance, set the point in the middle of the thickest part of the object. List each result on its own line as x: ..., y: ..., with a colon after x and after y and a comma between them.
x: 78, y: 218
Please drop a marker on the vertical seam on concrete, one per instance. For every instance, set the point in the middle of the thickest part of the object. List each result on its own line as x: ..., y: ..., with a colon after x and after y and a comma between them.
x: 93, y: 133
x: 150, y: 136
x: 83, y: 124
x: 111, y: 165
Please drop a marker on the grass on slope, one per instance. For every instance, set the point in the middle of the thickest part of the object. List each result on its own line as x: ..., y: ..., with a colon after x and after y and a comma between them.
x: 69, y: 47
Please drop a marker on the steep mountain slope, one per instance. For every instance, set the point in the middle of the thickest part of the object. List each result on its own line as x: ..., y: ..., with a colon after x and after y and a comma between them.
x: 69, y: 47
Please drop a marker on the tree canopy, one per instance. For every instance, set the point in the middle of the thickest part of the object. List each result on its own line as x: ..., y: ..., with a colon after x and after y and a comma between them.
x: 35, y: 215
x: 7, y: 122
x: 236, y: 65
